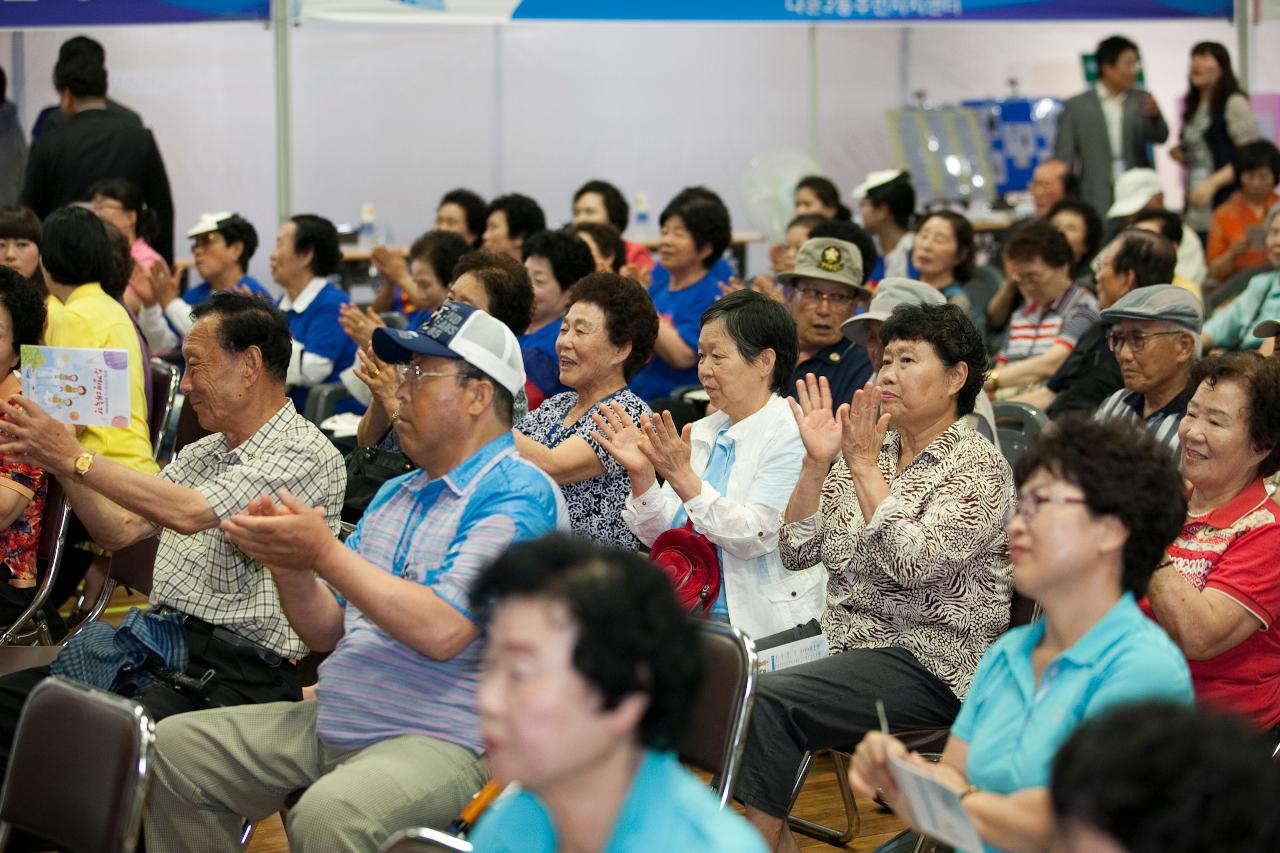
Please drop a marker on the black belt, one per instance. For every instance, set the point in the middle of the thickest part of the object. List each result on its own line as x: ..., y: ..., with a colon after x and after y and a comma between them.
x: 225, y: 635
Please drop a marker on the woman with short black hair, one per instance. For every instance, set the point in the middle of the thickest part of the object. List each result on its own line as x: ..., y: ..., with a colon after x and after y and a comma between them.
x: 904, y: 504
x: 590, y: 677
x: 728, y: 474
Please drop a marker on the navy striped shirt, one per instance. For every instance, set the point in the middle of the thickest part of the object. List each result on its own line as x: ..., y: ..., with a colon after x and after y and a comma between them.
x: 1163, y: 423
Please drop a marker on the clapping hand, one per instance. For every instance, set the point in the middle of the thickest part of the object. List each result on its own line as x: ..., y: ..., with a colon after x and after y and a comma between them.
x: 381, y: 378
x: 164, y: 286
x: 288, y: 536
x: 668, y: 450
x: 359, y: 325
x: 863, y: 429
x: 621, y: 437
x: 820, y: 430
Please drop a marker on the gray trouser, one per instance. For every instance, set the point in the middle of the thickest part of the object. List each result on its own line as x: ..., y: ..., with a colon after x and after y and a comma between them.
x: 216, y: 768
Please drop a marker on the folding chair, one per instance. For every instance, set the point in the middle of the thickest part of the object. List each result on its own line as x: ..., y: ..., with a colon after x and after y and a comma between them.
x: 323, y: 399
x: 717, y: 728
x: 1017, y: 424
x: 30, y: 627
x: 79, y: 769
x: 928, y: 742
x: 164, y: 390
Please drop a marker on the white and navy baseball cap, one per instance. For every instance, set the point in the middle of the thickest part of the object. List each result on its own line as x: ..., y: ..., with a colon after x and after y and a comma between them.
x: 458, y: 331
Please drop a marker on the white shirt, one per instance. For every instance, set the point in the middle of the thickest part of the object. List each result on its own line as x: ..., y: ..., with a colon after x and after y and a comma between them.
x: 1113, y: 114
x: 763, y: 597
x: 1190, y: 264
x: 305, y: 368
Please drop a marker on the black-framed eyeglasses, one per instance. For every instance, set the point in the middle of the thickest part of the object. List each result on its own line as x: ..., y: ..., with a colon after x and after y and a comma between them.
x: 839, y: 301
x: 1028, y: 505
x: 1135, y: 341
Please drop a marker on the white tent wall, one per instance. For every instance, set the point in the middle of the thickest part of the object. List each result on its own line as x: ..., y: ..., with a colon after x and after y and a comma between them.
x: 206, y: 92
x: 397, y: 115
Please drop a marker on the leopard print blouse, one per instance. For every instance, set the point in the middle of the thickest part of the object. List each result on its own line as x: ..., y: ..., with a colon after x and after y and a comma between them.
x: 930, y: 571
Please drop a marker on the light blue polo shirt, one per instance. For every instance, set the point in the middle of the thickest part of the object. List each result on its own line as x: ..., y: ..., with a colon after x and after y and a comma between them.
x: 1014, y: 726
x: 667, y: 808
x: 440, y: 533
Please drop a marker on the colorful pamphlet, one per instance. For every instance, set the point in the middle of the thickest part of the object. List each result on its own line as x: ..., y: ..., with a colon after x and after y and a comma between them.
x: 84, y: 387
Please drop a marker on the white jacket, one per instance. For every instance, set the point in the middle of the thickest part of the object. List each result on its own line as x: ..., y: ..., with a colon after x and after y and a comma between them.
x: 763, y: 597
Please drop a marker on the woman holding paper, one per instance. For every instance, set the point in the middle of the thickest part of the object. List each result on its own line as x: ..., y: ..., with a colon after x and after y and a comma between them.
x: 1098, y: 504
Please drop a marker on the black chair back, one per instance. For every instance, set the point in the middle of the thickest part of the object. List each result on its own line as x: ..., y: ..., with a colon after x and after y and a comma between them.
x: 164, y: 389
x: 79, y: 768
x: 717, y: 727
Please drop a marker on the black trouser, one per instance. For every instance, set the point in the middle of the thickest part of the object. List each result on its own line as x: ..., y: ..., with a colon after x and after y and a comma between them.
x: 830, y: 704
x: 244, y: 678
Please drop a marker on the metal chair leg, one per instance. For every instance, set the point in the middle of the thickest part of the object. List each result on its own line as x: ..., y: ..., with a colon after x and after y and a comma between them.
x: 830, y: 835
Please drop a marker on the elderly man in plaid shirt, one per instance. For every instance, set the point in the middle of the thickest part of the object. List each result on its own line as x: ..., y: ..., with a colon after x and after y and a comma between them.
x: 236, y: 353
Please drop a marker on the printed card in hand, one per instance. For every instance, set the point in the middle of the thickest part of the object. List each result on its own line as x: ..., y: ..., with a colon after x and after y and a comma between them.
x: 84, y: 387
x: 937, y: 809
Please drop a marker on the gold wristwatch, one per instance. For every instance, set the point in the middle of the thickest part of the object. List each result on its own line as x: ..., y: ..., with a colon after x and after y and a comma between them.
x: 83, y: 463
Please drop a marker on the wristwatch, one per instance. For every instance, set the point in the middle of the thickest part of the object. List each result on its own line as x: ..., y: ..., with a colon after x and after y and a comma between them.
x: 83, y: 463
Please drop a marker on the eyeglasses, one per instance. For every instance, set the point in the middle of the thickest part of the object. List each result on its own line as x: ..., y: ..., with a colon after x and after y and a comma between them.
x: 98, y: 205
x: 1029, y: 505
x: 839, y: 301
x: 1136, y: 341
x: 414, y: 374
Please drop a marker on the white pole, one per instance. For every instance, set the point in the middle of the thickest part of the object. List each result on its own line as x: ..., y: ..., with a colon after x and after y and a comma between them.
x: 281, y: 19
x: 1242, y: 8
x: 815, y: 149
x: 18, y: 77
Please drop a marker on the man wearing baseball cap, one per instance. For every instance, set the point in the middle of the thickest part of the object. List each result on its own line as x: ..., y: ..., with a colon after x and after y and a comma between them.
x: 1155, y: 335
x: 825, y: 287
x: 221, y: 245
x: 393, y: 738
x: 1140, y: 189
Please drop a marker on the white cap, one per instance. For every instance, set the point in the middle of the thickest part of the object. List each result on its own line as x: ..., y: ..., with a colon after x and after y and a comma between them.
x: 1133, y: 190
x: 458, y: 331
x: 875, y: 179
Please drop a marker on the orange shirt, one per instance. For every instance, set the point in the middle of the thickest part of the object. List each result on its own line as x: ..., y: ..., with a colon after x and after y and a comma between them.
x: 1231, y: 222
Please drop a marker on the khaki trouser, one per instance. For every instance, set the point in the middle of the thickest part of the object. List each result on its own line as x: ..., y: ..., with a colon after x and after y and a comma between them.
x: 216, y: 768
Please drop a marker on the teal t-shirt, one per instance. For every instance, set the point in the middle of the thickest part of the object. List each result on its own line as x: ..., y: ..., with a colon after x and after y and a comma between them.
x: 1014, y: 726
x: 668, y: 808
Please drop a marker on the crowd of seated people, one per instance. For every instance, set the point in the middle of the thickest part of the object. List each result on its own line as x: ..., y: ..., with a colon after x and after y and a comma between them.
x: 825, y: 437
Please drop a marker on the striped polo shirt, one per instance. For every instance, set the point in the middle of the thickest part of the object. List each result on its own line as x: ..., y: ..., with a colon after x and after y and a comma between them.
x: 439, y: 533
x: 1033, y: 329
x: 1163, y: 423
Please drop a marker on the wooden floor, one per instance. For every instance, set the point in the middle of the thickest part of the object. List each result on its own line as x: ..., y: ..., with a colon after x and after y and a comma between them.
x: 820, y: 801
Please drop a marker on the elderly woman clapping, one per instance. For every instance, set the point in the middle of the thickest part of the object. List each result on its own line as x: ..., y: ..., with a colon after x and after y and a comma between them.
x: 904, y: 503
x: 606, y: 335
x: 1218, y: 592
x: 731, y: 472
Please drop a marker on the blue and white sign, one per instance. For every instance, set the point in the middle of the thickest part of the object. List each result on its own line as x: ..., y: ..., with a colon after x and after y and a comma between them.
x: 800, y: 11
x: 20, y: 14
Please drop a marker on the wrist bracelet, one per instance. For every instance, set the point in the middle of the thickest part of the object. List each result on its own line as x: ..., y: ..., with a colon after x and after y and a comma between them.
x: 393, y: 417
x: 972, y: 789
